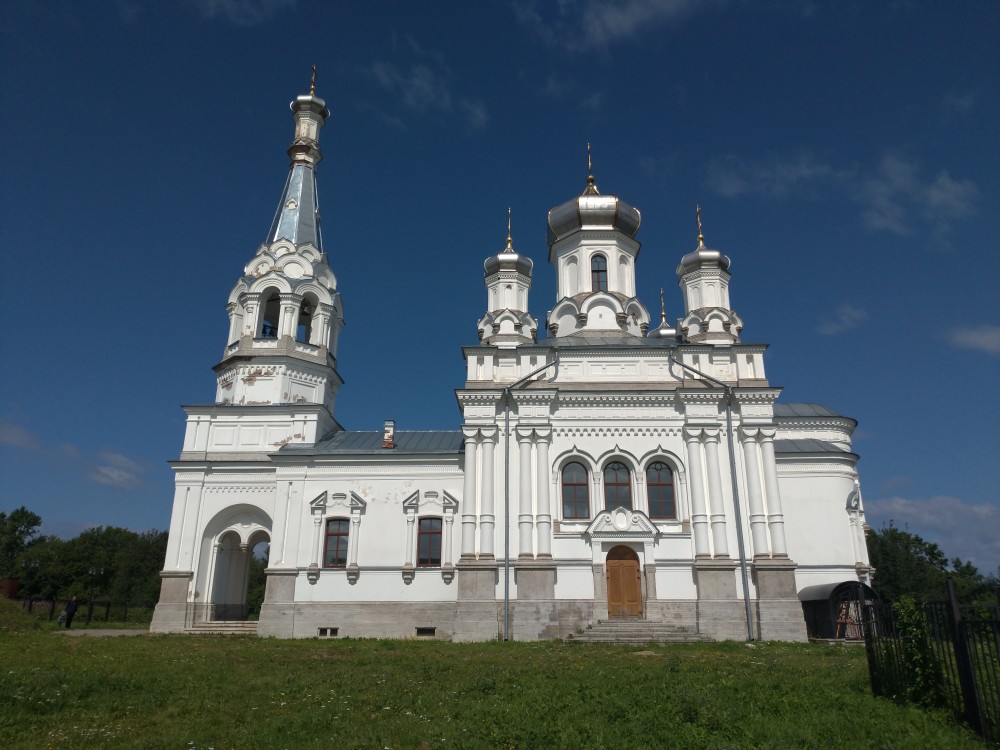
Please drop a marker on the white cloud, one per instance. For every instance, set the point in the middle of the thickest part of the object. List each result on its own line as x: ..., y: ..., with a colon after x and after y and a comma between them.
x: 581, y: 25
x: 117, y: 470
x: 425, y: 85
x: 848, y: 317
x: 984, y: 338
x: 16, y: 436
x: 959, y: 103
x: 960, y: 529
x: 242, y: 12
x: 731, y: 176
x: 894, y: 196
x: 419, y: 88
x: 475, y: 112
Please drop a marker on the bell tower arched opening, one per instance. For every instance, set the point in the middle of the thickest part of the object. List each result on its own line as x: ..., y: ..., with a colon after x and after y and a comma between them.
x: 304, y: 324
x: 270, y: 315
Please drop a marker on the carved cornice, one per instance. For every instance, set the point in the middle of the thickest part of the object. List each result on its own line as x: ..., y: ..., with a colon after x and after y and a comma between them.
x: 628, y: 431
x: 578, y: 398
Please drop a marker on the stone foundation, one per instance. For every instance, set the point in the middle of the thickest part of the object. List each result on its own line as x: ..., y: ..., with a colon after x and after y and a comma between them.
x: 171, y: 613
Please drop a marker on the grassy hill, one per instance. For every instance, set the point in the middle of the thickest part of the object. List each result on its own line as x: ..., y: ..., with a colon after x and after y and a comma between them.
x: 13, y: 619
x: 245, y: 692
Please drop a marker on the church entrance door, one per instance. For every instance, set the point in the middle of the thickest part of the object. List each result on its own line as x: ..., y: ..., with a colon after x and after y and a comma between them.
x: 624, y: 585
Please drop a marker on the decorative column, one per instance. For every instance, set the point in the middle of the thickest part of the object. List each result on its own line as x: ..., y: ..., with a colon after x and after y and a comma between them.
x: 699, y: 518
x: 408, y: 569
x: 318, y: 509
x: 469, y: 495
x: 775, y: 517
x: 250, y: 304
x: 487, y: 519
x: 544, y: 524
x: 289, y: 319
x: 524, y: 517
x: 717, y: 509
x: 751, y: 463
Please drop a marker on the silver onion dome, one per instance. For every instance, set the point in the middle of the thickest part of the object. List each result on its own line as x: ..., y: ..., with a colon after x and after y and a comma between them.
x: 702, y: 256
x: 591, y: 210
x: 664, y: 330
x: 508, y: 259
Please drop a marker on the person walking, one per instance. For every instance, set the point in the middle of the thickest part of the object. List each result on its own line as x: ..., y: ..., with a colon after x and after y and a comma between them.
x: 71, y: 607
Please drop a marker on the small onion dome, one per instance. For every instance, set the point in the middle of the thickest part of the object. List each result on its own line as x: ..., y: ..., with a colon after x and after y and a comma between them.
x: 508, y: 260
x: 664, y: 330
x: 703, y: 257
x: 592, y: 211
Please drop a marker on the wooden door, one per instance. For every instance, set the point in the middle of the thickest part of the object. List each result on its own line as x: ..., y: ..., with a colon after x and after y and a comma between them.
x: 624, y: 585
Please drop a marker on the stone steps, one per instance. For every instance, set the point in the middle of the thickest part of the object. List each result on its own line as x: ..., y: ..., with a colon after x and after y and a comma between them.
x: 635, y: 631
x: 225, y: 627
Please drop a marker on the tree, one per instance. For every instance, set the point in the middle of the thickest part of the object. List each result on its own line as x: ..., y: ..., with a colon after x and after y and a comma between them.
x: 16, y: 532
x: 906, y: 564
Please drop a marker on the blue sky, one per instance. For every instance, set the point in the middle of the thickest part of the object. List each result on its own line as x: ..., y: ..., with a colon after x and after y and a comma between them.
x: 845, y: 155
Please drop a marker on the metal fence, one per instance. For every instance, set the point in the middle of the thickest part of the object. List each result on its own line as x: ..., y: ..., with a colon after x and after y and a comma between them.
x: 959, y: 664
x: 92, y: 610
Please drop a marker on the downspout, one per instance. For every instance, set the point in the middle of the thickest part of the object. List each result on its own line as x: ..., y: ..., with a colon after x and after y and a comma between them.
x: 730, y: 397
x: 506, y: 490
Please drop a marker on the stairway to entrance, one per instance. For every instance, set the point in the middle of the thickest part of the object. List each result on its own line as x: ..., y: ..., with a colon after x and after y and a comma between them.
x: 635, y: 631
x: 225, y: 627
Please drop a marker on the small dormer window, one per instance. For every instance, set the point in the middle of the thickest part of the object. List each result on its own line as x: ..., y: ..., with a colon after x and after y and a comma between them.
x: 599, y: 273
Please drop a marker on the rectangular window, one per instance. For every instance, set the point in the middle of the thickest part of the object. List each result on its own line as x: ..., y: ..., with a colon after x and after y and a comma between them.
x: 661, y: 501
x: 429, y: 542
x: 337, y: 534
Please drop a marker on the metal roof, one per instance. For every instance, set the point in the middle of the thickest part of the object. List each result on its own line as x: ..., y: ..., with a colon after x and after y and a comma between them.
x: 804, y: 410
x: 807, y: 445
x: 607, y: 338
x: 413, y: 441
x: 297, y: 217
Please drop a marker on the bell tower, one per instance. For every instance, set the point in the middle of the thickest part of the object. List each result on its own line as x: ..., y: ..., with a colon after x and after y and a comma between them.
x: 277, y: 381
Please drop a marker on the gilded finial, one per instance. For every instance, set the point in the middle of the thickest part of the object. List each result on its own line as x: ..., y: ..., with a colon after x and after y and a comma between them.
x: 510, y: 241
x: 663, y: 309
x: 591, y: 188
x: 312, y: 83
x: 701, y: 237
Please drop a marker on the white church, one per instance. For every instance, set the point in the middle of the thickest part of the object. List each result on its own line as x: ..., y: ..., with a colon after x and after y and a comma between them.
x: 608, y: 468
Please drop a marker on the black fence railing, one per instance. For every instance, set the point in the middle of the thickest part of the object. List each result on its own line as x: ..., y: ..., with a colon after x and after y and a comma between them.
x: 949, y: 656
x: 92, y: 610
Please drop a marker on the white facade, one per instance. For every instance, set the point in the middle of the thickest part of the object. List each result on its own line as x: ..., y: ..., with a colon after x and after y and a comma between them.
x: 610, y: 447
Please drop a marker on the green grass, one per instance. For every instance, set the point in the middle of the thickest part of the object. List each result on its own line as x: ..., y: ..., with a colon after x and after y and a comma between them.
x: 243, y: 692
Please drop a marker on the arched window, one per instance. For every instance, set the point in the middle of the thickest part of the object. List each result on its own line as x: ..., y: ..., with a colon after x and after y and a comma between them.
x: 270, y: 317
x: 575, y: 495
x: 660, y: 489
x: 599, y: 273
x: 337, y: 535
x: 617, y: 486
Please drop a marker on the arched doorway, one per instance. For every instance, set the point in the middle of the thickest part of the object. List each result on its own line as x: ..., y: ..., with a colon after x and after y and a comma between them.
x: 624, y: 583
x: 234, y: 559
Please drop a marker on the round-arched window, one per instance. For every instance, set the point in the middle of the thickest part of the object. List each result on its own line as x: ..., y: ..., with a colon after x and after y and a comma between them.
x: 660, y: 490
x: 617, y: 486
